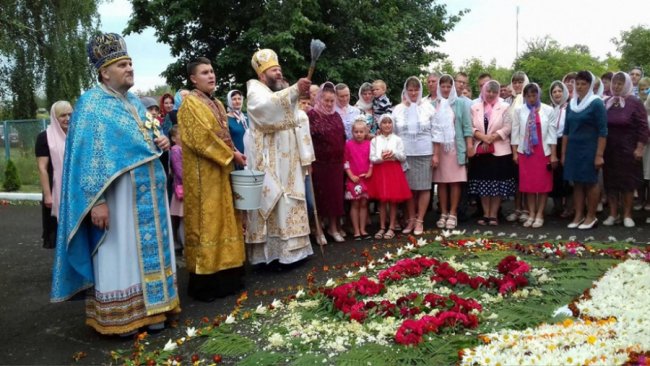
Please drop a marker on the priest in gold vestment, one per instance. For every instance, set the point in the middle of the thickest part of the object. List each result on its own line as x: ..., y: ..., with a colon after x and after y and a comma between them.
x: 278, y: 143
x: 214, y: 241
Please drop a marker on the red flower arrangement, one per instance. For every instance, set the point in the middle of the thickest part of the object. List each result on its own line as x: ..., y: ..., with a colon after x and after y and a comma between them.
x: 456, y: 311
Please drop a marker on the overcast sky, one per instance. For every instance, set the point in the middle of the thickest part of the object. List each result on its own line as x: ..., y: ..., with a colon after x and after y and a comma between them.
x: 487, y: 31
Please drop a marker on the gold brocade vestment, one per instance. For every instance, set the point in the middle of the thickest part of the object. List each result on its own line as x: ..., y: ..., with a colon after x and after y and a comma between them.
x: 214, y: 238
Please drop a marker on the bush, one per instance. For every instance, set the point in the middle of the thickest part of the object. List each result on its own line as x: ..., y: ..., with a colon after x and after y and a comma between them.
x: 12, y: 181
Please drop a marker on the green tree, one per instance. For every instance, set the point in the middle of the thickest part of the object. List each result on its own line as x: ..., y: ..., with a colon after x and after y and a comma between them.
x: 12, y: 180
x: 365, y: 39
x: 544, y: 60
x: 42, y: 45
x: 475, y: 67
x: 634, y: 46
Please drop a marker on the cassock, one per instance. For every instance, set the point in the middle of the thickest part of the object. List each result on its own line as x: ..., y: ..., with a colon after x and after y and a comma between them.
x: 278, y: 143
x: 214, y: 239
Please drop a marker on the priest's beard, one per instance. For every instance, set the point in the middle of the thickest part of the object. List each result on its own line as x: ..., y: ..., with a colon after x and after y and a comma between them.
x: 275, y: 84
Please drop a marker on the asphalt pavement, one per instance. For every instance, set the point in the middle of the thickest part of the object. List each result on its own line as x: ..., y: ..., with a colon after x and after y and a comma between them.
x: 37, y: 332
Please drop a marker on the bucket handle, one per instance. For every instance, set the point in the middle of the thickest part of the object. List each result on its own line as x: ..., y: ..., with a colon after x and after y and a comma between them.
x: 252, y: 174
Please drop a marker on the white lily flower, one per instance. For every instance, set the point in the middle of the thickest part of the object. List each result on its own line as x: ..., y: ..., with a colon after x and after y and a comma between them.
x: 422, y: 242
x: 170, y: 346
x: 381, y: 261
x: 475, y: 232
x: 388, y: 255
x: 445, y: 233
x: 513, y: 235
x: 529, y: 236
x: 371, y: 265
x: 488, y: 232
x: 559, y: 237
x: 501, y: 233
x: 349, y: 274
x: 330, y: 283
x: 409, y: 247
x: 362, y: 269
x: 261, y: 309
x: 438, y: 238
x: 572, y: 238
x: 276, y: 303
x: 630, y: 240
x: 399, y: 252
x: 300, y: 294
x: 191, y: 332
x: 458, y: 232
x: 541, y: 237
x: 230, y: 319
x: 611, y: 238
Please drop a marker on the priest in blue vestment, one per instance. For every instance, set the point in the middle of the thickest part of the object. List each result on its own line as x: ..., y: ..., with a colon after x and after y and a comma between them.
x: 115, y: 240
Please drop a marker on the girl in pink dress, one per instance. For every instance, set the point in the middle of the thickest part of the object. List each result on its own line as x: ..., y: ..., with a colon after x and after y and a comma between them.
x: 533, y: 139
x: 358, y: 170
x: 388, y: 183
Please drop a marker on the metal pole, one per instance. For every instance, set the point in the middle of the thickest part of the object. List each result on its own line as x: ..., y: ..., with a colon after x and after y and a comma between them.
x: 7, y: 142
x: 517, y: 32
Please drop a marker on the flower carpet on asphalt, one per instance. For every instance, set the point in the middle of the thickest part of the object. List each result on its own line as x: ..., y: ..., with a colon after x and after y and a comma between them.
x: 456, y: 299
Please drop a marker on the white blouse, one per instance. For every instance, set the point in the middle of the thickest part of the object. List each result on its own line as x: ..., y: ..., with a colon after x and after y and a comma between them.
x: 418, y: 140
x: 381, y: 143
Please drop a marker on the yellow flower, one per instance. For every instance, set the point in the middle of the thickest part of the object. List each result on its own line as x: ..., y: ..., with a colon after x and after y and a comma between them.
x: 567, y: 322
x: 592, y: 339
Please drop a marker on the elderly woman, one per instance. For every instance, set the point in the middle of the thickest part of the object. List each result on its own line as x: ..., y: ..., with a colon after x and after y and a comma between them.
x: 328, y: 137
x: 453, y: 144
x: 534, y: 139
x: 50, y: 149
x: 491, y: 172
x: 627, y: 134
x: 585, y: 136
x: 414, y: 125
x: 364, y: 103
x: 559, y: 96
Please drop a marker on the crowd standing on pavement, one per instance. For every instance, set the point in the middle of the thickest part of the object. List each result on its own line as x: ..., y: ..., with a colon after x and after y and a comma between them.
x: 130, y: 183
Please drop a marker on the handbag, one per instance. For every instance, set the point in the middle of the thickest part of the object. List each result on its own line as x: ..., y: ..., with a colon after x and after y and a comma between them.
x: 178, y: 191
x: 484, y: 149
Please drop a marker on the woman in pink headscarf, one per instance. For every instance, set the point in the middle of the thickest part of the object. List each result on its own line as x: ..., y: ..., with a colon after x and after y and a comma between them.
x: 50, y: 148
x: 328, y: 137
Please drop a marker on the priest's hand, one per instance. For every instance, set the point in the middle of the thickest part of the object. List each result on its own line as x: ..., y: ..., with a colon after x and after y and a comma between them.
x: 303, y: 86
x: 162, y: 142
x: 99, y: 216
x: 240, y: 159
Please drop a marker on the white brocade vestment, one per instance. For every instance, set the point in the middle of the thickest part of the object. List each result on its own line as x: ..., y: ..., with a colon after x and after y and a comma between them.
x: 278, y: 143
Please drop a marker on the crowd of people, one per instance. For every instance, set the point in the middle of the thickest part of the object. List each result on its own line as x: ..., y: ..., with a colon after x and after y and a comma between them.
x: 130, y: 183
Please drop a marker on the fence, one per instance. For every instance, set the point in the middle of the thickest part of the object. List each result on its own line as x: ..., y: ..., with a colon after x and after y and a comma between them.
x: 17, y: 140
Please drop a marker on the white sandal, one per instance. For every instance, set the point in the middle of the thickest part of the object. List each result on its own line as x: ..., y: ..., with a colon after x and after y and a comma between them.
x: 442, y: 221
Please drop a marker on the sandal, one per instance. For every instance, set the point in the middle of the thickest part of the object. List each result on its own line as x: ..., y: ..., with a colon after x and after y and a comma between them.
x: 409, y: 227
x: 419, y: 227
x: 483, y: 221
x: 380, y: 233
x: 442, y: 221
x: 389, y: 234
x: 452, y: 221
x: 492, y: 221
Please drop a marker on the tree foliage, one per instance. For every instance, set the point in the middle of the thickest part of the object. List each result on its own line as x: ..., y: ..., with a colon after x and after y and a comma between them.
x: 544, y: 60
x: 12, y: 180
x: 42, y: 46
x: 634, y: 46
x: 475, y: 67
x: 366, y: 39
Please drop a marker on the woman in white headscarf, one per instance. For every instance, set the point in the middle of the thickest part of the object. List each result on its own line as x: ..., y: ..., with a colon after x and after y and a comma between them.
x: 452, y: 136
x: 517, y: 82
x: 533, y: 140
x: 50, y: 149
x: 237, y: 120
x: 364, y: 103
x: 584, y: 139
x: 414, y: 125
x: 559, y: 96
x: 627, y: 135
